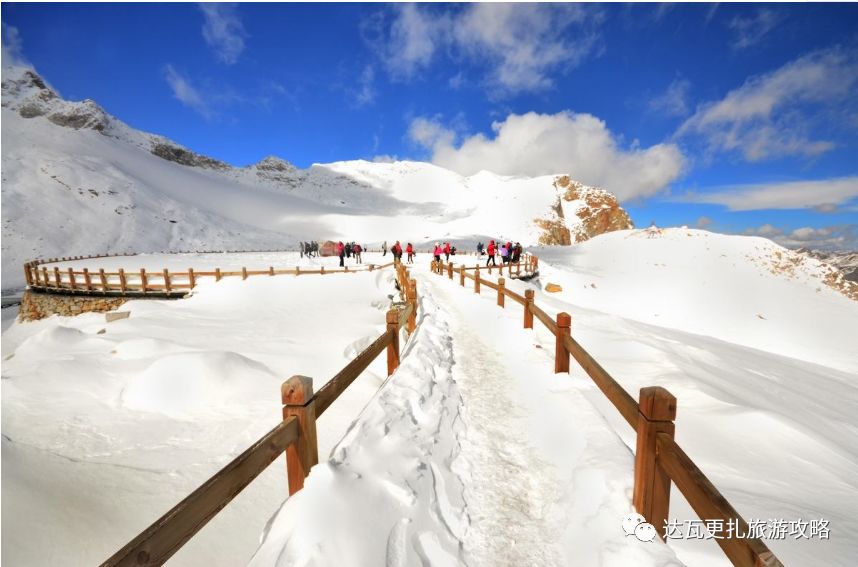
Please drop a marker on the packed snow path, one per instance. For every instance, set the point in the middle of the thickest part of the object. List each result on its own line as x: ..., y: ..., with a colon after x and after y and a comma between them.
x: 474, y: 453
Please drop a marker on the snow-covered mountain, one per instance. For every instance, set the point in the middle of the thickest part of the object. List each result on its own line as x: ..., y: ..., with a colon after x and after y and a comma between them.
x: 77, y: 180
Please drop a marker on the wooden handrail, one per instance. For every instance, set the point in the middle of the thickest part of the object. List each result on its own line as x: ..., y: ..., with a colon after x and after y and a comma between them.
x: 341, y: 380
x: 157, y: 543
x: 658, y: 458
x: 544, y: 318
x: 622, y: 400
x: 709, y: 503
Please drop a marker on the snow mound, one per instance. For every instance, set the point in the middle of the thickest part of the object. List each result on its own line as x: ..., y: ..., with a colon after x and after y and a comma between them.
x: 744, y: 290
x: 184, y: 385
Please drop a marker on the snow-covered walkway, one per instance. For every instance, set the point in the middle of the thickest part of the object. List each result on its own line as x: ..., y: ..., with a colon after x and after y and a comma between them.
x: 473, y: 453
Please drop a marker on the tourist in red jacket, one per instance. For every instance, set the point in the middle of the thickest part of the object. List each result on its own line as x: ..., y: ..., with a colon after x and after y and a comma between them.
x: 491, y: 253
x: 341, y: 252
x: 447, y: 250
x: 410, y: 250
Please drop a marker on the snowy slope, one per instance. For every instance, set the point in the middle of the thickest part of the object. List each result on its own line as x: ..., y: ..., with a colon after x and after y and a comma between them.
x: 78, y: 181
x: 745, y: 290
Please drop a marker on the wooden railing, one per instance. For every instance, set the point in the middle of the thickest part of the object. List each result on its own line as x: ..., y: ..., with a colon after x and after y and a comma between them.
x: 659, y: 460
x: 295, y: 435
x: 142, y: 282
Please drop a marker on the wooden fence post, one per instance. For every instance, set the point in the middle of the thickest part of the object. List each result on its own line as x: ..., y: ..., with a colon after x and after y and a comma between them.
x: 243, y: 273
x: 657, y: 411
x: 72, y: 282
x: 57, y: 279
x: 217, y: 274
x: 450, y: 270
x: 36, y: 275
x: 528, y: 314
x: 296, y: 394
x: 167, y: 286
x: 477, y: 280
x: 103, y: 279
x: 45, y: 277
x: 27, y: 275
x: 143, y: 279
x: 462, y: 275
x: 393, y: 347
x: 561, y: 355
x: 501, y: 286
x: 270, y: 270
x: 123, y: 283
x: 87, y: 281
x: 412, y: 292
x: 192, y: 281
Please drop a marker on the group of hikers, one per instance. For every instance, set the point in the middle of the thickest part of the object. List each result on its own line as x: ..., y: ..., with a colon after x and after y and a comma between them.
x: 349, y: 250
x: 396, y: 250
x: 447, y: 250
x: 309, y: 249
x: 509, y: 252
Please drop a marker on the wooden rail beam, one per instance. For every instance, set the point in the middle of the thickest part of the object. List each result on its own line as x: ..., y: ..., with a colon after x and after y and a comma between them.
x: 296, y: 393
x: 157, y: 543
x: 710, y: 504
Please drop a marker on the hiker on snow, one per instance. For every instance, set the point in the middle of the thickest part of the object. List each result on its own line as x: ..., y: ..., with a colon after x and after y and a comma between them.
x: 447, y: 251
x: 397, y: 251
x: 491, y: 253
x: 341, y: 250
x: 356, y: 251
x: 384, y: 248
x: 410, y: 250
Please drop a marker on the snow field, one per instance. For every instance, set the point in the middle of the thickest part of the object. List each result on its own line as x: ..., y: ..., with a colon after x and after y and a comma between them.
x: 103, y: 433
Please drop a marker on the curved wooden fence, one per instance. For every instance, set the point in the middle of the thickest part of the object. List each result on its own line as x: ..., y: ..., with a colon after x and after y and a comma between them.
x: 659, y: 460
x: 141, y: 282
x: 295, y: 435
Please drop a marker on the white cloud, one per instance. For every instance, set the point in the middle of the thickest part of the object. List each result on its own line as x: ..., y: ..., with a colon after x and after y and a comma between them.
x: 545, y: 144
x: 185, y: 92
x: 521, y: 44
x: 674, y: 101
x: 223, y: 31
x: 770, y: 115
x: 366, y: 87
x: 838, y: 237
x: 12, y: 54
x: 752, y: 29
x: 823, y: 193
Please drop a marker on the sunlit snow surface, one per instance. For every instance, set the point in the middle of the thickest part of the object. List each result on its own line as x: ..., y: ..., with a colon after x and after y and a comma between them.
x: 474, y: 453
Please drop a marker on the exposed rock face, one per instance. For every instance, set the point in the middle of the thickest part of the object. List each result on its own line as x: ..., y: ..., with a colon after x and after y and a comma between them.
x: 597, y: 210
x: 27, y: 93
x: 846, y: 262
x: 182, y: 156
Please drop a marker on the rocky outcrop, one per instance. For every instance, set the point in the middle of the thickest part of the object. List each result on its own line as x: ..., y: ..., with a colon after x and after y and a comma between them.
x: 35, y: 305
x: 182, y: 156
x: 596, y: 210
x: 26, y: 92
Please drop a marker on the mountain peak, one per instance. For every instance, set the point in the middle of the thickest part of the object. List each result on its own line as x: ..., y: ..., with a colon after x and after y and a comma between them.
x: 27, y: 93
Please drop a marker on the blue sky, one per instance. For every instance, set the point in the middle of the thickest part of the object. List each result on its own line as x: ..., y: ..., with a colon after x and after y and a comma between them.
x: 733, y: 117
